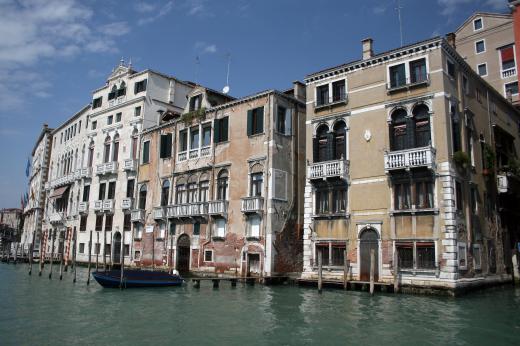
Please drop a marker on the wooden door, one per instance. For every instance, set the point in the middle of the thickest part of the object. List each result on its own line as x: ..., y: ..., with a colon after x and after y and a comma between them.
x: 183, y: 254
x: 368, y: 240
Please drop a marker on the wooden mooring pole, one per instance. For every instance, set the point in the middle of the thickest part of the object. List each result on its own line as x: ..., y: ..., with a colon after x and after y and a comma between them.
x: 346, y: 264
x: 320, y: 271
x: 372, y: 270
x: 60, y: 242
x: 122, y: 261
x: 66, y: 241
x: 42, y: 258
x: 89, y: 257
x: 97, y: 250
x: 104, y: 250
x: 31, y: 250
x: 74, y: 243
x: 53, y: 237
x: 396, y: 272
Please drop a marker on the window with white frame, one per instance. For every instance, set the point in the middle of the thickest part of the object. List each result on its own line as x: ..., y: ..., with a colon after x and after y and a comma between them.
x: 138, y: 229
x: 478, y: 24
x: 253, y: 223
x: 137, y: 255
x: 415, y: 255
x: 482, y: 70
x: 410, y: 72
x: 477, y: 256
x: 462, y: 256
x: 507, y: 59
x: 219, y: 228
x: 330, y: 93
x: 208, y: 255
x: 332, y: 253
x: 511, y: 88
x: 480, y: 46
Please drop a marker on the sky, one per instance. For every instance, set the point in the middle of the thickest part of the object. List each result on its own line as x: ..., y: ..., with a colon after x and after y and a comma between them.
x: 54, y: 53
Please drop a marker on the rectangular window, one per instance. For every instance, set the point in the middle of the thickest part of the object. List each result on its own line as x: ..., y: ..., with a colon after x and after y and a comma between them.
x: 459, y: 197
x: 81, y: 248
x: 111, y: 190
x: 172, y: 228
x: 194, y: 138
x: 477, y: 24
x: 425, y: 253
x: 146, y: 152
x: 424, y: 194
x: 97, y: 248
x: 86, y: 193
x: 322, y: 95
x: 511, y: 89
x: 465, y: 85
x: 254, y: 223
x: 118, y: 117
x: 99, y: 223
x: 482, y: 69
x: 477, y: 257
x: 397, y: 75
x: 183, y: 140
x: 195, y: 103
x: 94, y: 125
x: 140, y: 86
x: 108, y: 222
x: 418, y: 71
x: 137, y: 111
x: 127, y: 222
x: 507, y: 57
x: 323, y: 250
x: 451, y: 68
x: 96, y: 103
x: 463, y: 256
x: 339, y: 199
x: 206, y: 136
x: 126, y: 250
x: 455, y: 128
x: 83, y: 223
x: 338, y: 91
x: 208, y: 256
x: 108, y: 249
x: 110, y: 119
x: 130, y: 188
x: 337, y: 255
x: 220, y: 228
x: 255, y: 121
x: 280, y: 119
x: 166, y: 146
x: 101, y: 195
x: 137, y: 254
x: 257, y: 180
x: 221, y: 130
x: 196, y: 228
x: 203, y: 191
x: 405, y: 255
x: 402, y: 200
x: 322, y: 201
x: 480, y: 47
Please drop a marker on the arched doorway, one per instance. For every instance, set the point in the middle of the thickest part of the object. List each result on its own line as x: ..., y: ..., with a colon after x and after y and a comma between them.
x: 183, y: 254
x: 368, y: 240
x: 117, y: 248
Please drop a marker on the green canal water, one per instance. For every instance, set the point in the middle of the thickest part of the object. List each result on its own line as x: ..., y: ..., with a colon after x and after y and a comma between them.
x: 38, y: 311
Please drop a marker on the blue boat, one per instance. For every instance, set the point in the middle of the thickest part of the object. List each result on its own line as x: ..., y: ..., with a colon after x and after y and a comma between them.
x: 136, y: 278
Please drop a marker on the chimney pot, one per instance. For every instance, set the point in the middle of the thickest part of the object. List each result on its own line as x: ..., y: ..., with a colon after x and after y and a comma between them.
x: 368, y: 49
x: 450, y: 37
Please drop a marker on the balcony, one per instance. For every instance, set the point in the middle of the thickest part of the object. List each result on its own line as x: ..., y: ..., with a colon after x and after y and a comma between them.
x: 182, y: 156
x: 252, y: 204
x: 159, y: 213
x: 130, y: 165
x: 410, y: 158
x: 137, y: 215
x: 127, y: 203
x: 83, y: 207
x: 108, y: 205
x: 328, y: 169
x: 217, y: 207
x: 56, y: 218
x: 510, y: 72
x: 107, y: 168
x: 194, y: 154
x: 331, y: 102
x: 187, y: 210
x: 408, y: 83
x: 98, y: 205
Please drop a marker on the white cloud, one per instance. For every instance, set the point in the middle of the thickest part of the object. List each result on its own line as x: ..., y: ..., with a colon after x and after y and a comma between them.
x: 448, y: 6
x: 161, y: 13
x: 144, y: 7
x: 115, y: 29
x: 203, y: 47
x: 198, y: 8
x: 380, y: 9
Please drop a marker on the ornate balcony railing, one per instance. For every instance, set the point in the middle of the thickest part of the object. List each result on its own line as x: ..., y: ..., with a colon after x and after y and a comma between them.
x: 205, y: 151
x: 56, y: 217
x: 98, y: 205
x: 187, y: 210
x: 328, y: 169
x: 182, y: 156
x: 108, y: 205
x: 410, y: 158
x: 510, y: 72
x: 331, y: 101
x: 137, y: 215
x: 159, y: 213
x: 83, y: 207
x: 126, y: 203
x: 194, y: 154
x: 252, y: 204
x: 130, y: 165
x: 217, y: 207
x: 106, y: 168
x: 408, y: 82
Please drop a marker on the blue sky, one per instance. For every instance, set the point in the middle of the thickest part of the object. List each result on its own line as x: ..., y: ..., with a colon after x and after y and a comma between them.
x: 53, y: 53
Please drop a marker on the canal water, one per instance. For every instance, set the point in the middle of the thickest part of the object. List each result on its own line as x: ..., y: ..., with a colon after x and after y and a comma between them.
x: 38, y: 311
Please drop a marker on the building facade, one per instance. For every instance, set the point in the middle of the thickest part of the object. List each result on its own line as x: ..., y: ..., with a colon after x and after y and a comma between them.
x: 400, y: 156
x: 33, y: 211
x: 220, y: 185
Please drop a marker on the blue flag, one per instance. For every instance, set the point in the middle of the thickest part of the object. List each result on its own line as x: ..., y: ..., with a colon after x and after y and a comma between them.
x: 28, y: 168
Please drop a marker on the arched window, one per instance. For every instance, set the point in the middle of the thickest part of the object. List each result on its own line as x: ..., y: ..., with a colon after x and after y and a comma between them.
x: 142, y: 197
x: 165, y: 192
x: 322, y: 144
x: 192, y: 189
x: 203, y: 188
x: 112, y: 93
x: 115, y: 149
x: 106, y: 155
x: 134, y: 144
x: 340, y: 149
x: 222, y: 185
x: 421, y: 116
x: 90, y: 154
x: 256, y: 180
x: 122, y: 89
x: 180, y: 194
x: 399, y: 130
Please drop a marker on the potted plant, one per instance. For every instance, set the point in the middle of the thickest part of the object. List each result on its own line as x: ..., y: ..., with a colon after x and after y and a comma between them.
x: 489, y: 160
x: 461, y: 159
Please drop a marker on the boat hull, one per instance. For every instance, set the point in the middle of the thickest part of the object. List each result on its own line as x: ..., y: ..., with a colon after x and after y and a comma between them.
x: 136, y: 278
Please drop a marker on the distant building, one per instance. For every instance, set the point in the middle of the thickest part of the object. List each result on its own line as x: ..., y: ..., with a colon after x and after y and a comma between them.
x: 10, y: 224
x: 401, y: 151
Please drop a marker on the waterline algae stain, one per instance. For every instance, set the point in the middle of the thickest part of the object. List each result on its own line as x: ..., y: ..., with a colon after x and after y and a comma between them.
x: 38, y: 311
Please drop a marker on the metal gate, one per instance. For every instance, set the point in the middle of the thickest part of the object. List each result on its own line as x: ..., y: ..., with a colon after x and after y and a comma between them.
x: 183, y: 254
x: 368, y: 240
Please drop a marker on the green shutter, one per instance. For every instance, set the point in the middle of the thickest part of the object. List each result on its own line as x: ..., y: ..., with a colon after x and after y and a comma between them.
x: 162, y: 149
x: 225, y: 128
x: 216, y: 131
x: 168, y: 148
x: 260, y: 120
x: 250, y: 122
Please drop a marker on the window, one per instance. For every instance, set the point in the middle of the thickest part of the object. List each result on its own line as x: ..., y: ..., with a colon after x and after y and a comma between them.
x: 284, y: 121
x: 108, y: 222
x: 172, y: 228
x: 322, y: 95
x: 137, y: 254
x: 118, y: 117
x: 511, y: 89
x: 115, y: 148
x: 138, y: 228
x: 126, y: 250
x: 338, y: 91
x: 122, y: 90
x: 507, y: 57
x: 180, y: 195
x: 108, y: 249
x: 421, y: 117
x: 418, y: 71
x: 474, y: 200
x: 206, y: 136
x: 480, y: 47
x: 127, y: 222
x: 203, y: 191
x: 83, y: 223
x: 194, y: 138
x: 254, y: 222
x: 81, y: 248
x: 96, y: 103
x: 90, y: 154
x: 477, y: 24
x: 192, y: 191
x: 221, y: 130
x: 222, y: 185
x: 451, y: 68
x: 165, y: 192
x: 257, y: 180
x: 142, y: 197
x: 455, y: 129
x: 405, y: 255
x: 110, y: 119
x: 86, y: 193
x: 111, y: 190
x: 97, y: 248
x: 99, y: 223
x: 102, y: 187
x: 463, y: 257
x: 134, y: 145
x: 183, y: 140
x: 208, y: 255
x: 94, y: 125
x: 106, y: 155
x: 146, y: 152
x: 459, y: 197
x: 140, y: 86
x: 477, y: 256
x: 137, y: 111
x: 196, y: 228
x: 112, y: 93
x: 331, y: 198
x: 166, y: 146
x: 130, y: 188
x: 415, y: 255
x: 397, y: 76
x: 482, y: 69
x: 332, y: 254
x: 322, y: 144
x: 195, y: 103
x: 417, y: 194
x: 403, y: 74
x: 255, y: 121
x: 339, y: 146
x: 220, y: 228
x: 402, y: 198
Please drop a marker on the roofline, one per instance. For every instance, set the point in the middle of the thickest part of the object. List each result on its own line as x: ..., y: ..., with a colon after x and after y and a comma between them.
x: 483, y: 14
x: 86, y: 107
x: 44, y: 130
x: 252, y: 97
x: 370, y: 60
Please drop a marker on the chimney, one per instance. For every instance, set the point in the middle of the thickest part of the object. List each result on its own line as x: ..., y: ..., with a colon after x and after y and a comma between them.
x: 299, y: 90
x: 368, y: 50
x: 450, y: 37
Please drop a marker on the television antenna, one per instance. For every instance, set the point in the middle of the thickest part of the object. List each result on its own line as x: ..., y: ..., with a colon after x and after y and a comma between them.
x: 398, y: 9
x: 225, y: 89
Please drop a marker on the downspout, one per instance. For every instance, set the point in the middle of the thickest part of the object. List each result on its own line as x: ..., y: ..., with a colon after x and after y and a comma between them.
x: 266, y: 186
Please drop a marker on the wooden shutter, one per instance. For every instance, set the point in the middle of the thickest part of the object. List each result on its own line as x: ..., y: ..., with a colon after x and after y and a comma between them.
x: 225, y: 129
x: 260, y: 120
x: 288, y: 121
x: 250, y: 122
x: 163, y: 146
x: 216, y: 131
x: 168, y: 151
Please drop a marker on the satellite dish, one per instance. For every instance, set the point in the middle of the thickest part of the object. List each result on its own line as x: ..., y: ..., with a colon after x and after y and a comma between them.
x: 225, y: 90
